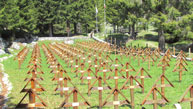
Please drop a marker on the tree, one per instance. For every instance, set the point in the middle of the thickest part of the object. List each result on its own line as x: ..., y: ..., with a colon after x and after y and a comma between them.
x: 2, y: 16
x: 46, y: 14
x: 12, y: 19
x: 28, y: 16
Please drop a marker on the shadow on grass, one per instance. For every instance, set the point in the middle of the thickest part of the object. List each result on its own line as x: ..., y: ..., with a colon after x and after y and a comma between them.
x: 151, y: 37
x: 121, y: 39
x: 94, y: 107
x: 126, y: 105
x: 10, y: 104
x: 182, y: 46
x: 97, y: 107
x: 139, y: 92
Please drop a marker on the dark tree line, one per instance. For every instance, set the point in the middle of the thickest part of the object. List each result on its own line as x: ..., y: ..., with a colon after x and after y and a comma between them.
x: 172, y: 18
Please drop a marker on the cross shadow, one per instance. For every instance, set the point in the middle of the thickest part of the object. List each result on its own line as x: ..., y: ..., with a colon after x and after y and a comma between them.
x: 4, y: 100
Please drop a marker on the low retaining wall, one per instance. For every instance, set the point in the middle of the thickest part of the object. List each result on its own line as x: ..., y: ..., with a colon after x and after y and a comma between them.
x: 61, y: 38
x: 100, y: 40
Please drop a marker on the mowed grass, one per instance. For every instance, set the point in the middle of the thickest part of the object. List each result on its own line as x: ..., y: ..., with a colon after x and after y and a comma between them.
x: 53, y: 99
x: 142, y: 43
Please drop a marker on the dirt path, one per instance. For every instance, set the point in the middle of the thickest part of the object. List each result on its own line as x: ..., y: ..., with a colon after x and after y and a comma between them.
x: 4, y: 91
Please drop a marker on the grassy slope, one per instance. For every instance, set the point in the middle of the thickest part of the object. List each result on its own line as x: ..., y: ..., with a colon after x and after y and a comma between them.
x: 53, y: 100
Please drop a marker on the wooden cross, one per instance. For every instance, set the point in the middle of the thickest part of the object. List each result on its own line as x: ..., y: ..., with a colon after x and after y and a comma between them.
x: 181, y: 54
x: 21, y: 56
x: 32, y: 101
x: 154, y: 91
x: 128, y: 68
x: 116, y: 101
x: 180, y: 68
x: 34, y: 73
x: 168, y: 53
x: 33, y: 83
x: 100, y: 88
x: 155, y: 54
x: 116, y: 92
x: 163, y: 78
x: 89, y: 78
x: 75, y: 104
x: 81, y: 71
x: 140, y: 75
x: 116, y: 77
x: 104, y: 71
x: 181, y: 60
x: 76, y: 66
x: 96, y: 66
x: 132, y: 87
x: 58, y: 72
x: 63, y: 86
x: 183, y: 99
x: 150, y: 59
x: 163, y: 63
x: 140, y: 54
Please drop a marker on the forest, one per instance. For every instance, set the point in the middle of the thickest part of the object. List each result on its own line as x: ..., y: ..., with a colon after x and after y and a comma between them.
x: 172, y: 19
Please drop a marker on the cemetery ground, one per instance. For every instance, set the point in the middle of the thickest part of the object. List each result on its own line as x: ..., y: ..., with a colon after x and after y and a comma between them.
x: 53, y: 99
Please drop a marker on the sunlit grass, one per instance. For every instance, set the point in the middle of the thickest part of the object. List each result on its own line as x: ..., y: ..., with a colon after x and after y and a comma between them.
x: 53, y: 99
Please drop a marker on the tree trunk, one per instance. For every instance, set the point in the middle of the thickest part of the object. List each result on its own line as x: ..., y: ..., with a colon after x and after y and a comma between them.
x: 146, y: 26
x: 161, y: 40
x: 13, y: 37
x: 133, y: 31
x: 114, y: 28
x: 129, y: 29
x: 68, y: 28
x: 1, y: 42
x: 117, y: 28
x: 41, y: 30
x: 75, y: 28
x: 50, y: 30
x: 86, y: 29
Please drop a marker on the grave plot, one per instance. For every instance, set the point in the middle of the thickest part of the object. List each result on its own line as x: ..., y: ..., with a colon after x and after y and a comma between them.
x: 91, y: 74
x: 33, y: 87
x: 21, y: 56
x: 180, y: 64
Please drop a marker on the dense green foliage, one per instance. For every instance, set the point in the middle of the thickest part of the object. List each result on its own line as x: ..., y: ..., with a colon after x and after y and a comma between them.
x: 171, y: 18
x: 43, y: 16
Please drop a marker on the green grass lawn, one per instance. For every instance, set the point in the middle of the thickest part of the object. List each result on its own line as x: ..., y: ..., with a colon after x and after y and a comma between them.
x: 142, y: 43
x: 53, y: 99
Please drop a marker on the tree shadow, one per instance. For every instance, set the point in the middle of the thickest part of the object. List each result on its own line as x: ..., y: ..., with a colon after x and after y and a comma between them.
x: 118, y: 39
x: 182, y: 46
x: 151, y: 37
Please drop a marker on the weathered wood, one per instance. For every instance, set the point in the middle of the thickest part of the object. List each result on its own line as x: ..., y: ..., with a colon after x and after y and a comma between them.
x: 75, y: 103
x: 142, y: 77
x: 183, y: 99
x: 132, y: 87
x: 32, y: 101
x: 155, y: 100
